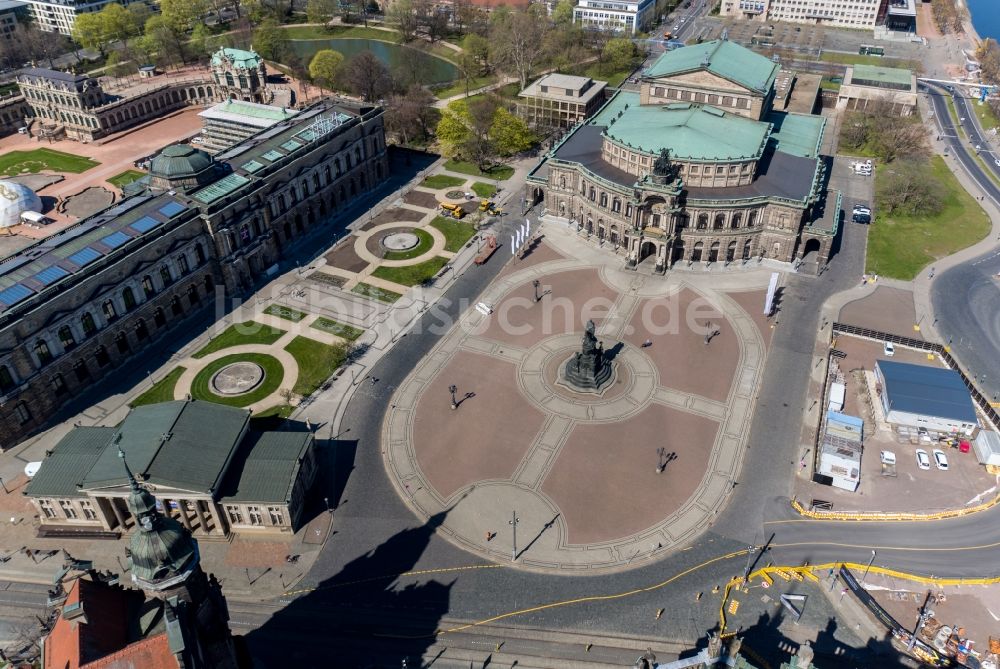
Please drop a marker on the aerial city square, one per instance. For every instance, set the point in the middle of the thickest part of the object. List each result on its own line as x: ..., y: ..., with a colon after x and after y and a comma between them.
x: 499, y: 333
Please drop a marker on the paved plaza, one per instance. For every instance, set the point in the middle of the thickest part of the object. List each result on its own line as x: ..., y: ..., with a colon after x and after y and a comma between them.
x: 581, y: 469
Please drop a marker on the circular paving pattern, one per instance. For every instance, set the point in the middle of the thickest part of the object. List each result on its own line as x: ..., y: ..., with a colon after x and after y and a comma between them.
x: 455, y: 195
x: 272, y: 373
x: 400, y: 241
x: 238, y: 378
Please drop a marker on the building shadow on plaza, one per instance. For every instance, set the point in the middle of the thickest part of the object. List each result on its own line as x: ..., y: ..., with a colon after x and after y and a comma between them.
x: 364, y: 616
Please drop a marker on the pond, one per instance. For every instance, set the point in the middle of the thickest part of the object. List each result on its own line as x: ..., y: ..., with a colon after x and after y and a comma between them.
x: 405, y: 60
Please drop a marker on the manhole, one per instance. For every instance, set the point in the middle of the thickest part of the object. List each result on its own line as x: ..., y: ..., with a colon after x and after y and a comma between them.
x: 400, y: 241
x: 238, y: 378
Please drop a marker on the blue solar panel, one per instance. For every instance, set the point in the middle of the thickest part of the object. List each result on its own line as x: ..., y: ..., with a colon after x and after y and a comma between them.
x: 115, y: 240
x: 145, y: 224
x: 85, y: 257
x: 11, y: 296
x: 50, y: 275
x: 171, y: 209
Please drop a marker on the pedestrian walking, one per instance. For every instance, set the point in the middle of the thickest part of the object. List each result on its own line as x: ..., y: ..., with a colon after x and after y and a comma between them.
x: 373, y: 380
x: 647, y: 343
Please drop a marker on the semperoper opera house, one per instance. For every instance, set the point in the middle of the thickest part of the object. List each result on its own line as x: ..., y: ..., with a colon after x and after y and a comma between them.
x: 76, y: 306
x: 696, y: 167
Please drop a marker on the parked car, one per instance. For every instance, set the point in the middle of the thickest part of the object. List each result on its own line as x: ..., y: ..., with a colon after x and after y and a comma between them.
x: 888, y: 349
x: 887, y: 457
x: 861, y: 218
x: 923, y: 461
x: 940, y: 459
x: 996, y: 161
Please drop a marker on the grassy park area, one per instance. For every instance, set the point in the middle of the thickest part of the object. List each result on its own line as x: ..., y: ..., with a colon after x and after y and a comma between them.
x: 240, y: 334
x: 342, y: 330
x: 162, y: 390
x: 13, y: 163
x: 125, y: 178
x: 411, y: 275
x: 455, y: 232
x: 900, y: 246
x: 289, y: 314
x: 442, y: 181
x: 201, y: 387
x: 317, y: 361
x: 376, y: 293
x: 484, y: 190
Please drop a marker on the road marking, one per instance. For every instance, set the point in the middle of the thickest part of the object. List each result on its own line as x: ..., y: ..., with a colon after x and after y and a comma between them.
x: 883, y: 547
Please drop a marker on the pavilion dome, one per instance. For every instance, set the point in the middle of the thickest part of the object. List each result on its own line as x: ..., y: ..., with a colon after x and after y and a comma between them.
x: 178, y: 161
x: 15, y: 199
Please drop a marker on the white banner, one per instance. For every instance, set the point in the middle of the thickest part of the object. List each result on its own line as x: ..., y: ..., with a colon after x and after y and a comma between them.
x: 772, y: 288
x: 513, y: 245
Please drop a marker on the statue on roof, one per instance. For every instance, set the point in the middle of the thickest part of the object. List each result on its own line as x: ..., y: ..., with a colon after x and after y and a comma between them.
x: 663, y: 167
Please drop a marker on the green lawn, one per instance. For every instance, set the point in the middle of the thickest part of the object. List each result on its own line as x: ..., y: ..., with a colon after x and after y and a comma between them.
x: 13, y: 163
x: 348, y: 332
x: 411, y: 275
x: 358, y: 32
x: 858, y: 59
x: 601, y: 72
x: 457, y: 87
x: 317, y: 361
x: 376, y: 293
x: 287, y: 313
x: 442, y: 181
x: 484, y: 190
x: 900, y: 246
x: 239, y: 334
x: 125, y: 178
x: 986, y: 116
x: 455, y: 232
x: 162, y: 390
x: 273, y: 375
x: 422, y: 247
x: 500, y: 172
x: 827, y: 85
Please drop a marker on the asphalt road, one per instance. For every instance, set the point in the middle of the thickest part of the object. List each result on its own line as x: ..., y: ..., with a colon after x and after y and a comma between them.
x: 966, y: 298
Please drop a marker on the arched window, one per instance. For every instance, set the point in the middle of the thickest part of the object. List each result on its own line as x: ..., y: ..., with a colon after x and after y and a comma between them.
x: 751, y: 219
x: 199, y: 252
x: 42, y: 352
x: 746, y: 250
x: 562, y: 182
x: 357, y: 155
x: 720, y: 221
x: 147, y: 286
x: 121, y: 341
x: 165, y: 277
x: 183, y: 262
x: 209, y: 284
x: 6, y: 379
x: 110, y: 313
x: 66, y: 338
x: 159, y: 318
x: 193, y: 295
x: 628, y: 211
x: 702, y: 221
x: 81, y: 371
x: 604, y: 200
x: 593, y: 194
x: 175, y: 305
x: 734, y: 222
x: 128, y: 297
x: 616, y: 205
x: 141, y: 331
x: 89, y: 327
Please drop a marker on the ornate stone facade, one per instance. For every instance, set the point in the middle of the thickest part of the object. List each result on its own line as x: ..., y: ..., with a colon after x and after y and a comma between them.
x: 240, y: 75
x: 745, y: 181
x: 70, y: 317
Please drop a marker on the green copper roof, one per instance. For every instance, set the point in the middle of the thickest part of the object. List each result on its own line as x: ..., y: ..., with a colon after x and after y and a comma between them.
x: 257, y: 111
x: 270, y: 469
x: 618, y: 102
x: 798, y: 134
x: 241, y: 59
x: 695, y: 132
x: 68, y: 461
x: 221, y: 188
x: 893, y: 76
x: 721, y: 57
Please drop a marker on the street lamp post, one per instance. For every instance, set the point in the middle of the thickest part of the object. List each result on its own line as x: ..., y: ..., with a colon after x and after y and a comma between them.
x: 326, y: 501
x: 514, y: 520
x: 751, y: 549
x: 535, y: 283
x: 867, y: 568
x: 453, y: 389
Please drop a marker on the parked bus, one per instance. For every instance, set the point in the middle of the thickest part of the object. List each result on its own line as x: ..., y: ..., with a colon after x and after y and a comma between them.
x: 870, y: 50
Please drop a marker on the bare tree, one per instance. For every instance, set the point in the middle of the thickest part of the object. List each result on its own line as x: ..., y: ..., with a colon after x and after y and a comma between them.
x: 517, y: 37
x: 367, y: 76
x: 909, y: 187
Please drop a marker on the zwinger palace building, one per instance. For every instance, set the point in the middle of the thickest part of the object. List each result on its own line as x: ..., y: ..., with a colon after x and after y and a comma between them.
x: 696, y: 167
x: 77, y: 306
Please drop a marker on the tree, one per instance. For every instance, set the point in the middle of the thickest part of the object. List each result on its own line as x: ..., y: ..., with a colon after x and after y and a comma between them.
x: 162, y: 38
x: 478, y: 47
x: 909, y: 187
x: 183, y: 14
x: 321, y: 11
x: 325, y: 66
x: 401, y: 15
x: 366, y: 75
x: 618, y: 53
x: 140, y: 13
x: 269, y: 40
x: 517, y: 39
x: 510, y: 134
x: 90, y: 32
x: 563, y: 12
x: 410, y: 116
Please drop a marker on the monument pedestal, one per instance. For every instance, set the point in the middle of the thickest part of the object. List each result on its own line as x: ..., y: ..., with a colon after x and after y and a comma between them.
x: 588, y: 371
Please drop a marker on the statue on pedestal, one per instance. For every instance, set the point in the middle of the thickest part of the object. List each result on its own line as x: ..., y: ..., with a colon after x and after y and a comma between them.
x: 588, y: 370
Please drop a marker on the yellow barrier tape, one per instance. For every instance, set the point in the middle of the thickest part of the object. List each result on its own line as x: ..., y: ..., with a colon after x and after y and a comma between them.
x: 900, y: 516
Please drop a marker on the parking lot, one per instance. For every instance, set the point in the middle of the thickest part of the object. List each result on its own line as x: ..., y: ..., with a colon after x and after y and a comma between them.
x: 912, y: 488
x: 856, y: 189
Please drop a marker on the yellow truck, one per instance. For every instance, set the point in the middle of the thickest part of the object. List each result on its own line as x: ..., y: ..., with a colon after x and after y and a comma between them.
x: 454, y: 210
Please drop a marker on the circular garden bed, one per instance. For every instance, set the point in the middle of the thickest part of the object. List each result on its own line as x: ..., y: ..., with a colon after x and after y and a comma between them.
x: 274, y: 373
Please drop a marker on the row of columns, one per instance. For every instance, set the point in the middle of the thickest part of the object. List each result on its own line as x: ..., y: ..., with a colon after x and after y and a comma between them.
x: 118, y: 508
